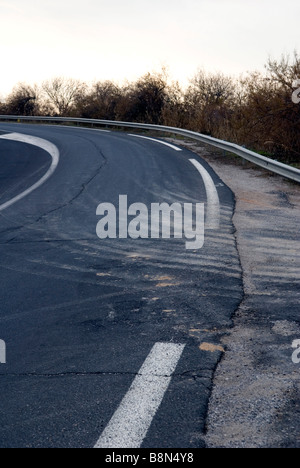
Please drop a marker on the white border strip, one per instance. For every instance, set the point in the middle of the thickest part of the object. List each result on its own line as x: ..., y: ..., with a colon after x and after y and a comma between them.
x: 43, y: 144
x: 131, y: 422
x: 175, y: 148
x: 76, y: 127
x: 213, y: 202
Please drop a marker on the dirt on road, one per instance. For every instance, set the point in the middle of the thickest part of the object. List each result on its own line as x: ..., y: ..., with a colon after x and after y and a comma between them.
x: 255, y: 401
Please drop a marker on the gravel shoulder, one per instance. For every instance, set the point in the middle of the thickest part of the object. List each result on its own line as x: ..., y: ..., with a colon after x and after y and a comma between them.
x: 255, y: 401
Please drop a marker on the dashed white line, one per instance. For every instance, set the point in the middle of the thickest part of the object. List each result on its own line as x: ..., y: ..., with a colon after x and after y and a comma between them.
x: 175, y: 148
x: 213, y: 202
x: 43, y: 144
x: 131, y: 422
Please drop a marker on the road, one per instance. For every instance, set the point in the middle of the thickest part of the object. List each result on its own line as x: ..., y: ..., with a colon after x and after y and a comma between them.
x: 87, y: 321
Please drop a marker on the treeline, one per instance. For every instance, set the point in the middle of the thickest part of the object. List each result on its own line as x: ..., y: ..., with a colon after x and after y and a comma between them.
x: 256, y: 110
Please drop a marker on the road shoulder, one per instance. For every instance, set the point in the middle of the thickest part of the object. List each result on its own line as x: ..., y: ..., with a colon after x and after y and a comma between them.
x: 255, y: 401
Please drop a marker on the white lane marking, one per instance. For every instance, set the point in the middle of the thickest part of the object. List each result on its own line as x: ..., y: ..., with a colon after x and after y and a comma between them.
x: 45, y: 145
x: 77, y: 128
x: 94, y: 129
x: 213, y: 202
x: 131, y: 422
x: 157, y: 141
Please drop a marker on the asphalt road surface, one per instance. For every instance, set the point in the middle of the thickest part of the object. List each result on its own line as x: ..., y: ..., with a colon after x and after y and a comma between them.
x: 110, y: 342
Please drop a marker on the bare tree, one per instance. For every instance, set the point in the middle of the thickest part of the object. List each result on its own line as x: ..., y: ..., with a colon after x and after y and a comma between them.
x: 144, y: 100
x: 210, y: 88
x: 174, y: 110
x: 257, y: 110
x: 23, y: 100
x: 284, y: 71
x: 208, y: 101
x: 266, y: 119
x: 100, y: 102
x: 62, y: 94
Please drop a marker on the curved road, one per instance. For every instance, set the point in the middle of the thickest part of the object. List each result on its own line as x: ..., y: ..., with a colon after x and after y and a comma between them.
x: 93, y: 326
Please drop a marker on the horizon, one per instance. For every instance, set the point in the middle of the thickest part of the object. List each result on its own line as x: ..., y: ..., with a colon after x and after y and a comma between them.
x: 122, y: 42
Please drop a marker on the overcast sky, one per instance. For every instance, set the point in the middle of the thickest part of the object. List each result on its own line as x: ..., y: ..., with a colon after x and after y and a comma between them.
x: 119, y: 39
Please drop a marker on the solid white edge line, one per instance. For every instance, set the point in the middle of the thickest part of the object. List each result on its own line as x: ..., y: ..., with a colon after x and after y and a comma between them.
x: 131, y: 422
x: 175, y: 148
x: 213, y: 203
x: 43, y: 144
x: 72, y: 127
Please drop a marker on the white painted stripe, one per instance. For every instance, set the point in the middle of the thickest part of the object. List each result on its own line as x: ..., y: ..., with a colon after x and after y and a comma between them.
x: 131, y: 422
x: 43, y: 144
x: 94, y: 129
x: 78, y: 128
x: 157, y: 141
x: 213, y: 202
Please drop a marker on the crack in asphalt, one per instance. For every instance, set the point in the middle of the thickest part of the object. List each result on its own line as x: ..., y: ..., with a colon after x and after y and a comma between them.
x: 81, y: 191
x: 202, y: 377
x: 64, y: 205
x: 186, y: 374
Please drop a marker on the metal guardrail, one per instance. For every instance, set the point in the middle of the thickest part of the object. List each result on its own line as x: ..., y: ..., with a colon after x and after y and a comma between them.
x: 270, y: 164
